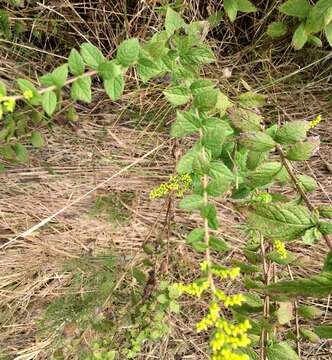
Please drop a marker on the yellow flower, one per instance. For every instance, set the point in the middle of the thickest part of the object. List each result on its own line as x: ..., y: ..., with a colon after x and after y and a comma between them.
x: 9, y: 105
x: 28, y: 94
x: 281, y: 249
x: 177, y: 183
x: 316, y: 121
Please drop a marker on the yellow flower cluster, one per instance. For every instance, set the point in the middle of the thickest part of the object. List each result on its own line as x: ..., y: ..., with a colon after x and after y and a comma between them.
x: 8, y: 105
x: 316, y: 121
x: 230, y: 300
x: 194, y: 289
x: 280, y: 247
x: 177, y: 183
x: 225, y: 273
x: 28, y: 94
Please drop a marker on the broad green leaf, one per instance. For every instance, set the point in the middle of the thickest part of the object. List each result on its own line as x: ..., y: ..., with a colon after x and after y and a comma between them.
x: 325, y: 211
x: 219, y: 170
x: 309, y: 184
x: 245, y: 6
x: 25, y: 86
x: 46, y: 80
x: 251, y: 100
x: 281, y: 351
x: 3, y: 91
x: 81, y: 89
x: 309, y: 312
x: 325, y: 227
x: 173, y: 21
x: 300, y: 37
x: 8, y: 152
x: 162, y: 299
x: 279, y: 221
x: 292, y: 132
x: 328, y: 17
x: 285, y: 312
x: 315, y: 40
x: 297, y: 8
x: 109, y: 70
x: 186, y: 123
x: 191, y: 202
x: 206, y: 100
x: 200, y: 85
x: 114, y: 87
x: 217, y: 187
x: 174, y: 307
x: 140, y: 276
x: 198, y: 55
x: 328, y: 33
x: 255, y: 158
x: 185, y: 164
x: 75, y: 63
x: 265, y: 173
x: 177, y: 95
x: 37, y: 139
x: 274, y: 256
x: 277, y: 29
x: 21, y: 152
x: 316, y: 18
x: 302, y: 150
x: 311, y: 235
x: 219, y: 245
x: 59, y: 75
x: 92, y: 55
x: 49, y: 101
x: 231, y: 9
x: 310, y: 335
x: 196, y: 239
x: 209, y: 212
x: 324, y: 331
x: 128, y: 52
x: 257, y: 141
x: 223, y: 104
x: 147, y: 69
x: 245, y: 119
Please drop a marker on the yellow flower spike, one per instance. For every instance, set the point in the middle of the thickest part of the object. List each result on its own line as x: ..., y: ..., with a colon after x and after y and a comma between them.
x: 178, y: 183
x: 281, y: 249
x: 9, y: 105
x: 316, y: 121
x: 28, y: 94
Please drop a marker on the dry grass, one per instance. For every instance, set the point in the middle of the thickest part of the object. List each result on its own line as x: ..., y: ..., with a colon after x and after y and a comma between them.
x: 107, y: 138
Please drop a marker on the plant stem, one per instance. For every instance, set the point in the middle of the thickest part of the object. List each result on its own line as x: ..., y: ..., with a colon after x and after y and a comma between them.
x: 299, y: 188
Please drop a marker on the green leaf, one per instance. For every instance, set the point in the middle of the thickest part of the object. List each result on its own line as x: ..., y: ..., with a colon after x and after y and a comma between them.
x: 297, y: 8
x: 285, y: 312
x: 245, y: 119
x: 174, y: 307
x: 217, y: 187
x: 215, y: 18
x: 223, y: 104
x: 49, y: 101
x: 219, y: 245
x: 147, y: 69
x: 265, y: 173
x: 162, y: 299
x: 185, y: 124
x: 25, y: 85
x: 325, y: 211
x: 325, y: 227
x: 311, y: 235
x: 309, y: 184
x: 200, y: 85
x: 274, y: 256
x: 209, y: 212
x: 21, y: 152
x: 128, y: 52
x: 257, y: 141
x: 195, y: 235
x: 191, y: 202
x: 76, y: 63
x: 8, y: 152
x: 37, y: 139
x: 3, y: 91
x: 114, y: 87
x: 219, y: 170
x: 300, y: 37
x: 302, y: 150
x: 316, y: 18
x: 281, y: 351
x: 292, y: 132
x: 277, y: 29
x: 328, y: 33
x: 185, y: 164
x: 310, y: 335
x: 315, y: 40
x: 231, y: 9
x: 81, y: 89
x: 309, y: 312
x: 324, y: 331
x: 177, y: 95
x: 251, y: 100
x: 281, y: 221
x: 46, y: 80
x: 206, y: 100
x: 109, y: 70
x: 140, y: 276
x: 173, y: 21
x: 92, y: 55
x: 245, y: 6
x: 59, y: 75
x: 328, y: 16
x: 199, y: 55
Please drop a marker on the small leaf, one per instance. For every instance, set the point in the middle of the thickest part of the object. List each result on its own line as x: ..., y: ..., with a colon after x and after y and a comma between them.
x: 245, y: 6
x: 298, y: 8
x: 177, y: 95
x: 309, y: 184
x: 281, y: 351
x: 114, y: 87
x: 245, y: 119
x: 209, y: 212
x: 206, y: 100
x: 140, y: 276
x: 219, y: 170
x: 128, y: 52
x: 265, y: 173
x: 49, y: 101
x: 310, y: 335
x: 37, y: 139
x: 325, y: 227
x: 26, y: 85
x: 309, y: 312
x: 174, y: 307
x: 324, y: 331
x: 173, y: 21
x: 81, y: 89
x: 257, y: 141
x: 195, y: 235
x: 109, y: 70
x: 251, y: 100
x: 219, y: 245
x: 92, y: 55
x: 8, y: 152
x: 147, y: 69
x: 76, y: 63
x: 185, y: 124
x: 302, y: 150
x: 292, y: 132
x: 231, y: 9
x: 285, y: 312
x: 300, y: 37
x: 277, y: 29
x: 59, y: 75
x: 191, y: 202
x: 21, y: 152
x: 325, y: 211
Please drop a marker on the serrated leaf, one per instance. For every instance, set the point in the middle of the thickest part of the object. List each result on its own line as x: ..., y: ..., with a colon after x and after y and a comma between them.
x: 147, y: 69
x: 185, y: 124
x: 173, y: 21
x: 21, y: 152
x: 75, y: 63
x: 251, y: 100
x: 310, y: 335
x: 59, y: 75
x: 199, y: 55
x: 195, y: 235
x: 285, y: 312
x: 245, y: 6
x: 219, y: 170
x: 315, y: 21
x: 231, y: 9
x: 81, y: 89
x: 109, y: 70
x: 297, y: 8
x: 328, y: 33
x: 325, y: 211
x: 191, y: 202
x: 174, y: 307
x: 325, y: 227
x: 219, y: 245
x: 25, y: 85
x: 206, y: 100
x: 177, y: 95
x: 49, y: 101
x: 277, y: 29
x: 185, y: 164
x: 37, y: 139
x: 309, y: 184
x: 281, y: 351
x: 209, y: 212
x: 217, y: 187
x: 114, y: 87
x: 91, y: 55
x: 140, y: 276
x: 302, y: 150
x: 281, y: 221
x: 245, y: 119
x: 274, y: 256
x: 292, y: 132
x: 265, y: 173
x: 324, y: 331
x: 300, y: 37
x: 257, y: 141
x: 223, y: 104
x: 309, y: 312
x: 128, y: 52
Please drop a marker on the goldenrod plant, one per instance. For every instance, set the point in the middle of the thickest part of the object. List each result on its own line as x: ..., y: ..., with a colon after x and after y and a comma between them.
x: 234, y: 155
